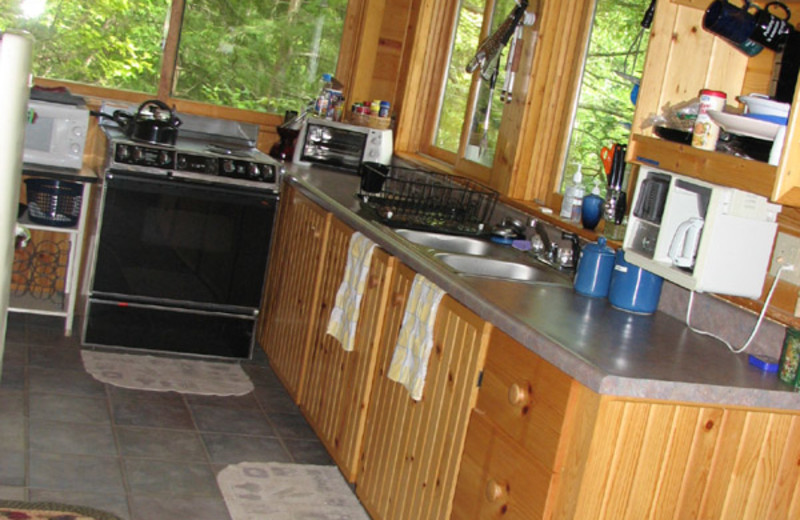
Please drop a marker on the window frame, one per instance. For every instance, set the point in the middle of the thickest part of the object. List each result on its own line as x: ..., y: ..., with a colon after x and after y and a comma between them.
x: 534, y: 129
x: 345, y: 70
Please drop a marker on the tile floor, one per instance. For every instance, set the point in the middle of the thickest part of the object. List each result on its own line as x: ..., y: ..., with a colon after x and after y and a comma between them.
x: 66, y: 437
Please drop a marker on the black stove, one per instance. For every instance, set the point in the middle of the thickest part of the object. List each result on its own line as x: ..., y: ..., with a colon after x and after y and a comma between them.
x: 193, y: 158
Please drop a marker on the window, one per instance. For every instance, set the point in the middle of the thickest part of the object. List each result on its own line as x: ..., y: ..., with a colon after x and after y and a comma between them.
x: 247, y: 54
x: 475, y: 98
x: 605, y: 105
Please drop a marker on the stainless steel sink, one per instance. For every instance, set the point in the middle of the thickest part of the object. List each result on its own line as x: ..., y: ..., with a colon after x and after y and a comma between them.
x: 494, y: 268
x: 447, y: 243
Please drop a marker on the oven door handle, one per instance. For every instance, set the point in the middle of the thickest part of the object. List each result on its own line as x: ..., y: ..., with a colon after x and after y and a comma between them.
x: 169, y: 185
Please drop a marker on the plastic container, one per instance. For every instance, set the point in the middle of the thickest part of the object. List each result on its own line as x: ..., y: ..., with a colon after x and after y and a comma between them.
x: 706, y: 131
x: 572, y: 203
x: 53, y: 202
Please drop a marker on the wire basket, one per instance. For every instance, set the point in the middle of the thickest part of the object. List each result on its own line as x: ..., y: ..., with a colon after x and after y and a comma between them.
x: 53, y: 202
x: 418, y: 199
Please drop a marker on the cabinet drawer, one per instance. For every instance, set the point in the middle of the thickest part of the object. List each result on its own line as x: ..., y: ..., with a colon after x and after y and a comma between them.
x: 524, y: 395
x: 498, y: 479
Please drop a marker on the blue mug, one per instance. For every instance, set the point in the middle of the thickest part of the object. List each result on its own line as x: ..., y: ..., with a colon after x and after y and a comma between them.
x: 733, y: 24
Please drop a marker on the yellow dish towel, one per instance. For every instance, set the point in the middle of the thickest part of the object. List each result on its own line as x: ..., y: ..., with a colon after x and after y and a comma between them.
x: 415, y: 340
x: 344, y: 316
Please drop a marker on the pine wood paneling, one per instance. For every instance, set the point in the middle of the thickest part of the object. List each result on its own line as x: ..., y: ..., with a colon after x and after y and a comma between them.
x: 412, y: 449
x: 338, y: 385
x: 288, y: 323
x: 663, y: 460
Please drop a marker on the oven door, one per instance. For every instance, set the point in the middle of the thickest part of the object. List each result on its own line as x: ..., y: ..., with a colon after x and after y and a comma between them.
x: 185, y: 244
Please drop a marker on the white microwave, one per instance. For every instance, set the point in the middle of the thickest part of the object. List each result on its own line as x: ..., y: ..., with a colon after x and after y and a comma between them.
x: 55, y: 134
x: 341, y: 145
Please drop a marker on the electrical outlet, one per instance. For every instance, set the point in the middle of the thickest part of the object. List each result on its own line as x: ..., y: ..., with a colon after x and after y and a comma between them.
x: 786, y: 247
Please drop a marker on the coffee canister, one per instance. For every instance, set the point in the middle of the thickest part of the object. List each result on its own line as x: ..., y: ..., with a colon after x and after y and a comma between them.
x: 632, y: 288
x: 595, y: 266
x: 706, y: 131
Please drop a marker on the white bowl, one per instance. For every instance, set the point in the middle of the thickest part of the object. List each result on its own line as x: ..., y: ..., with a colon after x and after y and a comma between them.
x: 760, y: 104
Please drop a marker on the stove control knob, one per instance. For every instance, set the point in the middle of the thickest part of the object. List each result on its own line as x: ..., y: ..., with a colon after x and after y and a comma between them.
x: 164, y: 158
x: 123, y: 152
x: 181, y: 163
x: 253, y: 171
x: 137, y: 154
x: 228, y: 166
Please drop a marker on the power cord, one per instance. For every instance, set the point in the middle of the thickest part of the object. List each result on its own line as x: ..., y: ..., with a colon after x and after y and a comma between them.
x: 783, y: 267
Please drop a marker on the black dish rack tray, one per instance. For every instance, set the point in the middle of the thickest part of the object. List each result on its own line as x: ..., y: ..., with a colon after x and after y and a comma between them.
x: 425, y: 200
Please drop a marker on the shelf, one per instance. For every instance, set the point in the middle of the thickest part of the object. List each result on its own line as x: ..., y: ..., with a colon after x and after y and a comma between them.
x: 714, y: 167
x: 29, y: 304
x: 24, y: 220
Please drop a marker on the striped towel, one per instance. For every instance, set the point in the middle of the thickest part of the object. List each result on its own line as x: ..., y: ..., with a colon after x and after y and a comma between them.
x: 344, y: 316
x: 415, y: 340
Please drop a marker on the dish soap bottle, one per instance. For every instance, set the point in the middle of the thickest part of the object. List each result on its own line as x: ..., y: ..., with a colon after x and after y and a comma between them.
x: 573, y: 198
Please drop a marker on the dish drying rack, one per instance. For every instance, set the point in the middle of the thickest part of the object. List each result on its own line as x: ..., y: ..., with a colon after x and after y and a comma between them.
x: 425, y: 200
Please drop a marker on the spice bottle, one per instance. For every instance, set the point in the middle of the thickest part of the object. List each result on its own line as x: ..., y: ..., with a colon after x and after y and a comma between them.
x: 790, y: 357
x: 706, y: 131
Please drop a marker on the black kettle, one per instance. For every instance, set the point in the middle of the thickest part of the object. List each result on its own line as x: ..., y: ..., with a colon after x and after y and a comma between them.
x: 154, y: 122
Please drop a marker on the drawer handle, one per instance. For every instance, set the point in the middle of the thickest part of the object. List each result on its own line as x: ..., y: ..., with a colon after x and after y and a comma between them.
x: 315, y: 232
x: 517, y: 395
x: 494, y: 491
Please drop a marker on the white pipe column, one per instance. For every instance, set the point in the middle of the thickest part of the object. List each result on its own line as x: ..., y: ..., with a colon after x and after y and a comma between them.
x: 15, y: 82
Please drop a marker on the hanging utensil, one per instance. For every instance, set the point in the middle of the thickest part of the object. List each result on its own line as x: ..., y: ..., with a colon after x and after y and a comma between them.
x: 484, y: 144
x: 491, y: 48
x: 628, y: 72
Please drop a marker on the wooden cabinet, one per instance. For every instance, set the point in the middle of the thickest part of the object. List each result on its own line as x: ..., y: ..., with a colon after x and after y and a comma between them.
x: 338, y: 386
x: 514, y: 435
x: 412, y: 449
x: 682, y: 59
x: 287, y: 316
x: 541, y: 445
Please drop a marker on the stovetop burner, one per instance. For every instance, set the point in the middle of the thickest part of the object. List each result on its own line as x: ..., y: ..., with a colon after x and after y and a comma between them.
x: 192, y: 159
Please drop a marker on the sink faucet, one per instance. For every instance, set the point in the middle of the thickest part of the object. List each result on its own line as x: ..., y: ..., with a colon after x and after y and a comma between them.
x: 540, y: 230
x: 576, y: 248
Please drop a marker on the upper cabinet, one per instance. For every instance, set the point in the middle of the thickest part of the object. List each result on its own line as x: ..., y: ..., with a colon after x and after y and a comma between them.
x: 684, y: 58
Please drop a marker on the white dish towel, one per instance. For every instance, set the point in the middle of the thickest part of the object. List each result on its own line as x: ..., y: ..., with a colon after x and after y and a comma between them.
x: 415, y: 340
x: 344, y: 316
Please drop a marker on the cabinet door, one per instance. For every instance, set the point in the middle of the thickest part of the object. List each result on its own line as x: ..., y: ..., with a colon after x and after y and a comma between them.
x: 412, y: 449
x: 338, y: 384
x: 525, y: 396
x: 287, y: 318
x: 497, y: 478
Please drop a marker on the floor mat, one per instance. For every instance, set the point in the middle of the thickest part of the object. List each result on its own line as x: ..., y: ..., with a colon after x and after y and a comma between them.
x: 278, y: 491
x: 14, y: 510
x: 188, y: 376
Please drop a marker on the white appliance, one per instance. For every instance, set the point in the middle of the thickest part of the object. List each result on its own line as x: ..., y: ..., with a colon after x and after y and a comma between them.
x: 701, y: 236
x: 342, y: 145
x: 15, y: 69
x: 56, y: 134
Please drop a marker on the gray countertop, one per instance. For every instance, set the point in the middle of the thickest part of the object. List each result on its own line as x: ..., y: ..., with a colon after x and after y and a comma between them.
x: 610, y: 351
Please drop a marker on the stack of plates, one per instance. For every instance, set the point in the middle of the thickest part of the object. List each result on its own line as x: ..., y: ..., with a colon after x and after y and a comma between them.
x: 762, y: 119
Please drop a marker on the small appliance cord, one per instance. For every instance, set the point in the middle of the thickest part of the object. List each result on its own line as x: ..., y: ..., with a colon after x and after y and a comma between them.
x: 741, y: 349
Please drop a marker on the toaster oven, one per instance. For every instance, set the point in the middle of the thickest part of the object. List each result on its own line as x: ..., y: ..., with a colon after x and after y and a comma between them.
x: 341, y: 145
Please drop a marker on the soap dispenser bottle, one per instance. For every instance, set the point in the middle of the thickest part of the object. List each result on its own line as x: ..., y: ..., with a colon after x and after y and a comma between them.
x: 573, y: 198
